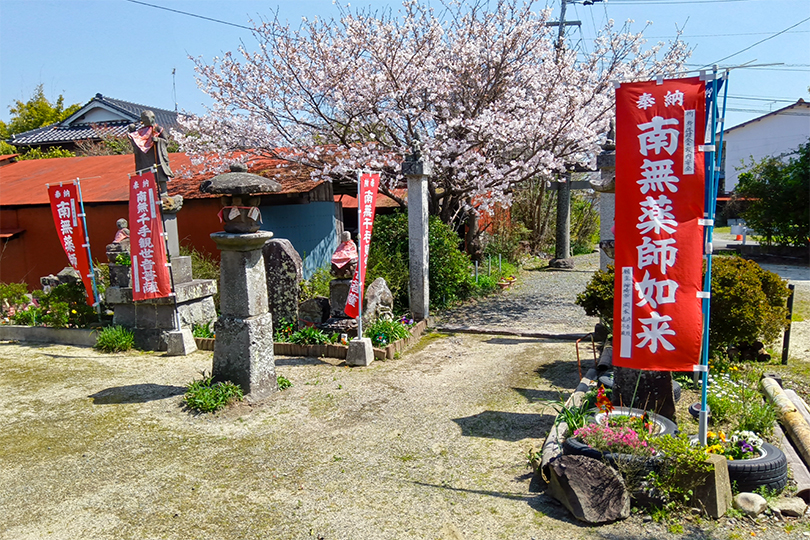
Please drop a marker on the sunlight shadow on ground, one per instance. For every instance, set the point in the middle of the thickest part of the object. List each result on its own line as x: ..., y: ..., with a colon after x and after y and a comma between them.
x: 536, y: 396
x: 506, y: 426
x: 136, y: 393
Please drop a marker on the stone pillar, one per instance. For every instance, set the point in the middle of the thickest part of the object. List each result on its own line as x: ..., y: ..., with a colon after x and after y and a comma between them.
x: 562, y: 249
x: 243, y: 350
x: 172, y: 236
x: 284, y: 269
x: 606, y: 163
x: 417, y: 172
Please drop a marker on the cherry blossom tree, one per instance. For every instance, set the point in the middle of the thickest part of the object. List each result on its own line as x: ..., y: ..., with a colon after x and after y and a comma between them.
x: 484, y: 87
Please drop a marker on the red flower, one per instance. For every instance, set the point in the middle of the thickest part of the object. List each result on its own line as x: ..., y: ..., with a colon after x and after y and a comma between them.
x: 603, y: 402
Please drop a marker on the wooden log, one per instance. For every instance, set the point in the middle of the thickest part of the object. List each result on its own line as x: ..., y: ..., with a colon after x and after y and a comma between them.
x: 800, y: 473
x: 789, y: 416
x: 552, y: 446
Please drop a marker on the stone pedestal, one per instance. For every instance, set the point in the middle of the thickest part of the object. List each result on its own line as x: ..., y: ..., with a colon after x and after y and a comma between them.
x: 243, y: 350
x: 152, y: 321
x: 360, y: 352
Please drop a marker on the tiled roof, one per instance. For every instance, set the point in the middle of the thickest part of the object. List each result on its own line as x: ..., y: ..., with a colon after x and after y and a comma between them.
x: 71, y: 129
x: 104, y: 178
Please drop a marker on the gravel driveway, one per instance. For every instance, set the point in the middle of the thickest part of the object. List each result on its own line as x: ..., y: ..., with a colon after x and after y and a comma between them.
x: 428, y: 446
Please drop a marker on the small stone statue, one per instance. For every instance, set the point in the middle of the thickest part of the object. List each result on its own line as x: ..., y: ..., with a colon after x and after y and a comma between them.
x: 150, y: 146
x: 344, y: 260
x: 123, y: 231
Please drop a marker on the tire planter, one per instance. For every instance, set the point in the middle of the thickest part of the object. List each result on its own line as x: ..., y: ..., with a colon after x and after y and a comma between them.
x: 574, y: 447
x: 694, y: 410
x: 769, y: 470
x: 665, y: 425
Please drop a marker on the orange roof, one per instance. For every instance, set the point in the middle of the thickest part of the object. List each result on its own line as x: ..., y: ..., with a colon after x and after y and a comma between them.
x: 382, y: 201
x: 104, y: 178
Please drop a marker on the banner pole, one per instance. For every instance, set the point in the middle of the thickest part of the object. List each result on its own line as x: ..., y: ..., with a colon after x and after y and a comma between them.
x: 360, y: 275
x: 96, y: 297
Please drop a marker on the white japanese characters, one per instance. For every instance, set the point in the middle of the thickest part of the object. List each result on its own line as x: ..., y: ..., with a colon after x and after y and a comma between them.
x: 366, y: 207
x: 68, y: 221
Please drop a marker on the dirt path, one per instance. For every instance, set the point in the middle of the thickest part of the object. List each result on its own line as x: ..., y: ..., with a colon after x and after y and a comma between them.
x: 428, y: 446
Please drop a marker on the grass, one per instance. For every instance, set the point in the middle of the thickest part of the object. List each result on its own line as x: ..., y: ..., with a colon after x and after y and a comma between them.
x: 207, y: 396
x: 283, y: 382
x: 115, y: 339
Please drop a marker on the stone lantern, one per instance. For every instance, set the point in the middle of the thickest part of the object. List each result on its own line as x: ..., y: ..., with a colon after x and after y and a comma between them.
x: 243, y: 350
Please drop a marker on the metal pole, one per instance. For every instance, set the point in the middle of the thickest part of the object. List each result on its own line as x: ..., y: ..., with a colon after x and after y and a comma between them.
x: 476, y: 271
x: 786, y: 341
x: 359, y: 263
x: 92, y: 275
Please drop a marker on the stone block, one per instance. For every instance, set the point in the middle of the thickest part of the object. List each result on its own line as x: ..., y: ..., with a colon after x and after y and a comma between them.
x: 360, y: 352
x: 338, y: 294
x: 246, y: 293
x: 243, y: 354
x: 120, y: 275
x: 284, y: 269
x: 165, y: 317
x: 378, y: 301
x: 713, y: 496
x: 124, y: 315
x: 118, y: 295
x: 200, y: 311
x: 180, y: 342
x: 181, y: 269
x: 314, y: 311
x: 145, y: 316
x: 150, y: 339
x: 194, y: 289
x: 593, y: 491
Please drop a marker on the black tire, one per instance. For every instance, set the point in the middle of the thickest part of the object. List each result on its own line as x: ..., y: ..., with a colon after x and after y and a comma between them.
x: 676, y: 390
x: 573, y: 447
x: 694, y: 410
x: 665, y: 425
x: 768, y: 470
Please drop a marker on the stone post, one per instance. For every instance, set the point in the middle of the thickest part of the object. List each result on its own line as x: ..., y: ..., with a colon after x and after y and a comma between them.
x: 606, y: 163
x: 417, y: 171
x: 243, y: 350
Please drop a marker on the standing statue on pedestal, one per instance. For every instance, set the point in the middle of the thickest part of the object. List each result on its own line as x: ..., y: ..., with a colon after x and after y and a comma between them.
x: 344, y: 260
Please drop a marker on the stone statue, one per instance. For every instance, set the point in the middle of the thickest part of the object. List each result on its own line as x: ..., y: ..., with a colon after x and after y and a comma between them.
x: 150, y: 146
x: 344, y: 260
x: 123, y: 231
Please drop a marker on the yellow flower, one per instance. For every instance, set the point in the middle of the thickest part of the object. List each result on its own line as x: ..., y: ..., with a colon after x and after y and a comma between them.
x: 73, y: 311
x: 711, y: 434
x: 722, y: 436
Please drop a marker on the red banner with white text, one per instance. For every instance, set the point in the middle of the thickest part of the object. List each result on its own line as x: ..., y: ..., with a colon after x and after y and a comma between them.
x: 659, y: 237
x: 150, y: 275
x: 367, y: 206
x: 65, y: 206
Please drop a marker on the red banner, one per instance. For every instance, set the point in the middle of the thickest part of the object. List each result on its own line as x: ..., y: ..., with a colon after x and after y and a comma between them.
x: 150, y: 275
x: 366, y: 207
x: 65, y: 206
x: 659, y: 239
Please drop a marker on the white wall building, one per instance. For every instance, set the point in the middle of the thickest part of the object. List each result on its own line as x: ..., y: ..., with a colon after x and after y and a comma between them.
x: 773, y: 134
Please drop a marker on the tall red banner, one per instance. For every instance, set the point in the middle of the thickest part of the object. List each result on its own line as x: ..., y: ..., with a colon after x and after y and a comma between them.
x: 150, y: 275
x: 659, y: 237
x: 65, y: 206
x: 366, y: 207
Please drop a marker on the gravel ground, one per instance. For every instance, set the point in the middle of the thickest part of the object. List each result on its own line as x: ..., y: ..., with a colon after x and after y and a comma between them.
x: 428, y: 446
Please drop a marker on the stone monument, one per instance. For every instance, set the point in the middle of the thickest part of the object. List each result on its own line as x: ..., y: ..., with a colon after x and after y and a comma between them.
x: 417, y: 171
x: 243, y: 350
x: 284, y: 269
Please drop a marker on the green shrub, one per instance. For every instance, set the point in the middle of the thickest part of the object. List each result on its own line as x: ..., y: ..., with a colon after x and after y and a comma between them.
x: 747, y: 304
x: 203, y: 266
x: 384, y: 332
x: 317, y: 284
x: 283, y: 329
x: 123, y: 259
x: 597, y: 299
x: 505, y: 239
x: 310, y: 336
x: 283, y: 382
x: 207, y: 396
x: 202, y: 331
x: 14, y: 296
x: 115, y: 339
x: 682, y: 468
x: 65, y: 306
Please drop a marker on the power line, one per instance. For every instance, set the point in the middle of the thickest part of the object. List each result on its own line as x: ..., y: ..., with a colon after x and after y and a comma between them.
x: 753, y: 98
x: 758, y: 42
x: 190, y: 14
x: 684, y: 36
x: 663, y: 2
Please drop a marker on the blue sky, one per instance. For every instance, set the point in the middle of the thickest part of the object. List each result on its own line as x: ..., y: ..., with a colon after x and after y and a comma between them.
x: 128, y: 50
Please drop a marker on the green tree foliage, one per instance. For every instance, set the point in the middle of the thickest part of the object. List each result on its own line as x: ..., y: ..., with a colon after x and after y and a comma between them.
x: 597, y: 298
x: 53, y: 152
x: 449, y: 272
x: 747, y: 305
x: 779, y: 198
x: 36, y: 112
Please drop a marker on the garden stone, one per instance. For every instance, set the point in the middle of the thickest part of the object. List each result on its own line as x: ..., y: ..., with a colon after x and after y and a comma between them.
x: 338, y: 294
x: 360, y: 352
x: 750, y: 504
x: 69, y: 275
x: 314, y: 311
x: 379, y: 302
x: 789, y: 506
x: 590, y: 489
x: 284, y: 269
x: 713, y: 496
